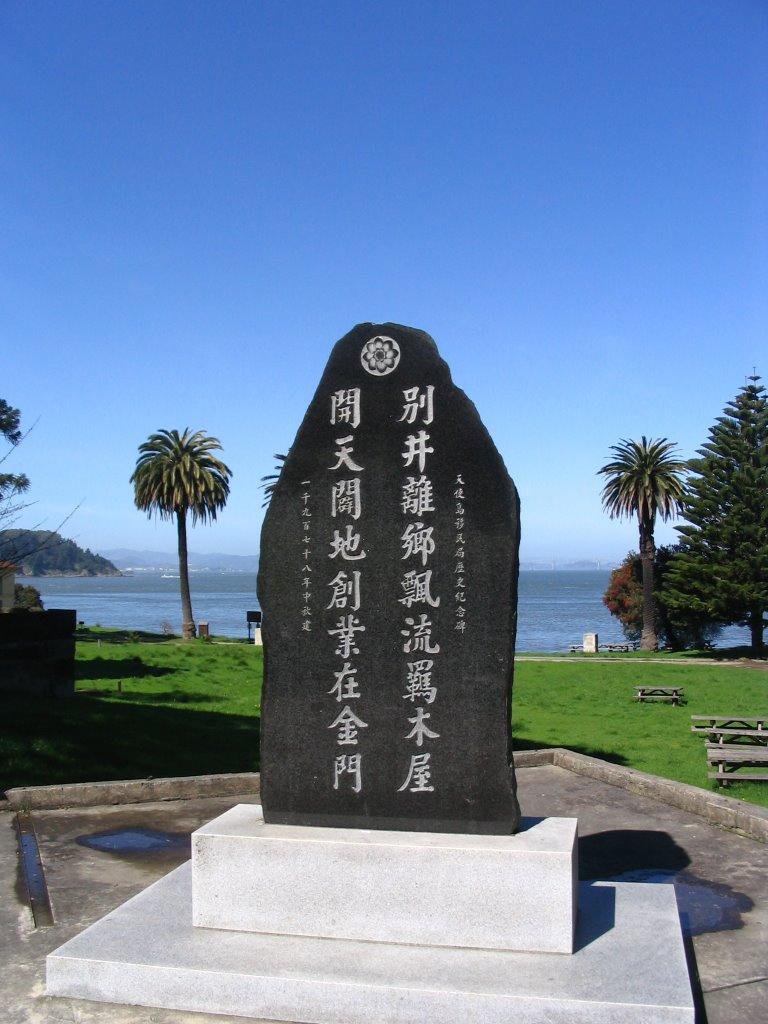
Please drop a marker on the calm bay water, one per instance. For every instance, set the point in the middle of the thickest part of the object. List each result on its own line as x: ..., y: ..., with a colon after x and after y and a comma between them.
x: 555, y: 608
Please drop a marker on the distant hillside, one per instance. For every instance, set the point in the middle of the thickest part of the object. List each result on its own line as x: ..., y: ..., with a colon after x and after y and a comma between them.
x: 42, y: 553
x: 160, y: 561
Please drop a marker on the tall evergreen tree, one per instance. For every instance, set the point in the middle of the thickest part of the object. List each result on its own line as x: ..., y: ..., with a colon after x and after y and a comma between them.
x: 722, y: 567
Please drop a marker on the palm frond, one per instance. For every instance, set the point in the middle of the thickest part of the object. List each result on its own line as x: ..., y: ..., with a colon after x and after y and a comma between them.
x: 645, y: 479
x: 178, y: 472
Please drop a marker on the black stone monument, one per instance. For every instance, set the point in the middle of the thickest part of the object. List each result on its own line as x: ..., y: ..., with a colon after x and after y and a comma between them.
x: 388, y: 582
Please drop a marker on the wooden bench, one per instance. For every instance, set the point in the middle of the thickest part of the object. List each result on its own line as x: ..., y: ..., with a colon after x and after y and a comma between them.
x: 728, y: 758
x: 719, y: 723
x: 670, y: 694
x: 623, y: 648
x: 734, y: 742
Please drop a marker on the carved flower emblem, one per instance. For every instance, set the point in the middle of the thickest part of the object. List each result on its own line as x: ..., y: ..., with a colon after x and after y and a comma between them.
x: 380, y: 355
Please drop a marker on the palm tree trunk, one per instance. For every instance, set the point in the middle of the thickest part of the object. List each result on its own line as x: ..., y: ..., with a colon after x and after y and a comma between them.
x: 756, y: 631
x: 648, y: 641
x: 188, y: 630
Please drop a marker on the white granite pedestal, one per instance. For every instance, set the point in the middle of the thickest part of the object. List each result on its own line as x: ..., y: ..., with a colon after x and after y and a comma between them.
x: 485, y: 892
x: 627, y: 966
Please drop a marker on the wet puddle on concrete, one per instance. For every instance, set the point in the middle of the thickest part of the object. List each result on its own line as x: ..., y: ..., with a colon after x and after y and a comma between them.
x: 704, y: 906
x: 135, y: 842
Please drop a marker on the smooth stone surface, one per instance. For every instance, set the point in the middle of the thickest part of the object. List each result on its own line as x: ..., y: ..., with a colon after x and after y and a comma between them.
x: 629, y: 968
x: 433, y: 889
x: 388, y: 581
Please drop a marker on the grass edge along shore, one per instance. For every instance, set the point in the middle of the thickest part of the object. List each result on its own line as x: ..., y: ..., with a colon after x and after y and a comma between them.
x: 150, y: 706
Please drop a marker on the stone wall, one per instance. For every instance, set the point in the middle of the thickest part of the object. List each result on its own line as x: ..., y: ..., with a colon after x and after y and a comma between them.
x: 37, y: 652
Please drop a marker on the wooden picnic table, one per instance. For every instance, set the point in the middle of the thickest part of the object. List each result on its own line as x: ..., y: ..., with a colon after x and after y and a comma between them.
x: 718, y: 723
x: 728, y: 758
x: 734, y: 742
x: 671, y: 694
x: 624, y: 647
x: 744, y: 736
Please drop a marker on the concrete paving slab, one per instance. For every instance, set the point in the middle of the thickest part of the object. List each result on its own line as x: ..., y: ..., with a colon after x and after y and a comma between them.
x: 721, y: 880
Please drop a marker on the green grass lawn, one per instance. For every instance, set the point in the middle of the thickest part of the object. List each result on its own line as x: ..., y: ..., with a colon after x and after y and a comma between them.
x: 157, y: 706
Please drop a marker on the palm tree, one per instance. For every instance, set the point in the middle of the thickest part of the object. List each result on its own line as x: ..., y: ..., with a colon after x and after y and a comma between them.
x: 176, y: 474
x: 644, y: 479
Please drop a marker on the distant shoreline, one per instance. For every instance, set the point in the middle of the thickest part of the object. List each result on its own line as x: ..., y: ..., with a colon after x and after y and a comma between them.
x: 68, y: 575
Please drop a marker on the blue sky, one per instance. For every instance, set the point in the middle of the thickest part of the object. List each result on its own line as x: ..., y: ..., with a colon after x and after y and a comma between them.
x: 198, y: 199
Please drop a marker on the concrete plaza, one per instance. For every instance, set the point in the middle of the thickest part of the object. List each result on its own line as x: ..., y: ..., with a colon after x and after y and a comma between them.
x: 96, y: 858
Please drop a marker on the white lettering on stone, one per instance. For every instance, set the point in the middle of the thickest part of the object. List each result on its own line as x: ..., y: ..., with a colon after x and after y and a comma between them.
x: 345, y: 498
x: 348, y: 725
x: 417, y: 497
x: 346, y: 591
x: 348, y: 764
x: 417, y: 540
x: 419, y: 636
x: 418, y: 683
x: 416, y: 448
x: 417, y: 401
x: 345, y: 407
x: 416, y: 586
x: 346, y: 685
x: 345, y: 630
x: 344, y: 455
x: 421, y: 730
x: 346, y: 545
x: 419, y: 775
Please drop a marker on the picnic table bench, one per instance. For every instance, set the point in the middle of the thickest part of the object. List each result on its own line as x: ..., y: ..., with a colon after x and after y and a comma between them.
x: 728, y: 758
x: 623, y: 647
x: 670, y: 694
x: 734, y: 742
x: 718, y: 723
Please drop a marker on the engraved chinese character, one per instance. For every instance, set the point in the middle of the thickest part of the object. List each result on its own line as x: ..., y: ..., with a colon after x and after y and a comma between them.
x: 348, y: 764
x: 345, y: 407
x: 348, y: 725
x: 418, y: 683
x: 344, y: 455
x: 345, y: 687
x: 420, y: 730
x: 346, y: 545
x: 346, y: 591
x: 419, y: 775
x: 461, y: 625
x: 417, y: 401
x: 417, y: 496
x: 419, y: 636
x: 345, y: 498
x: 306, y: 626
x: 417, y: 540
x: 417, y: 589
x: 345, y: 630
x: 416, y: 448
